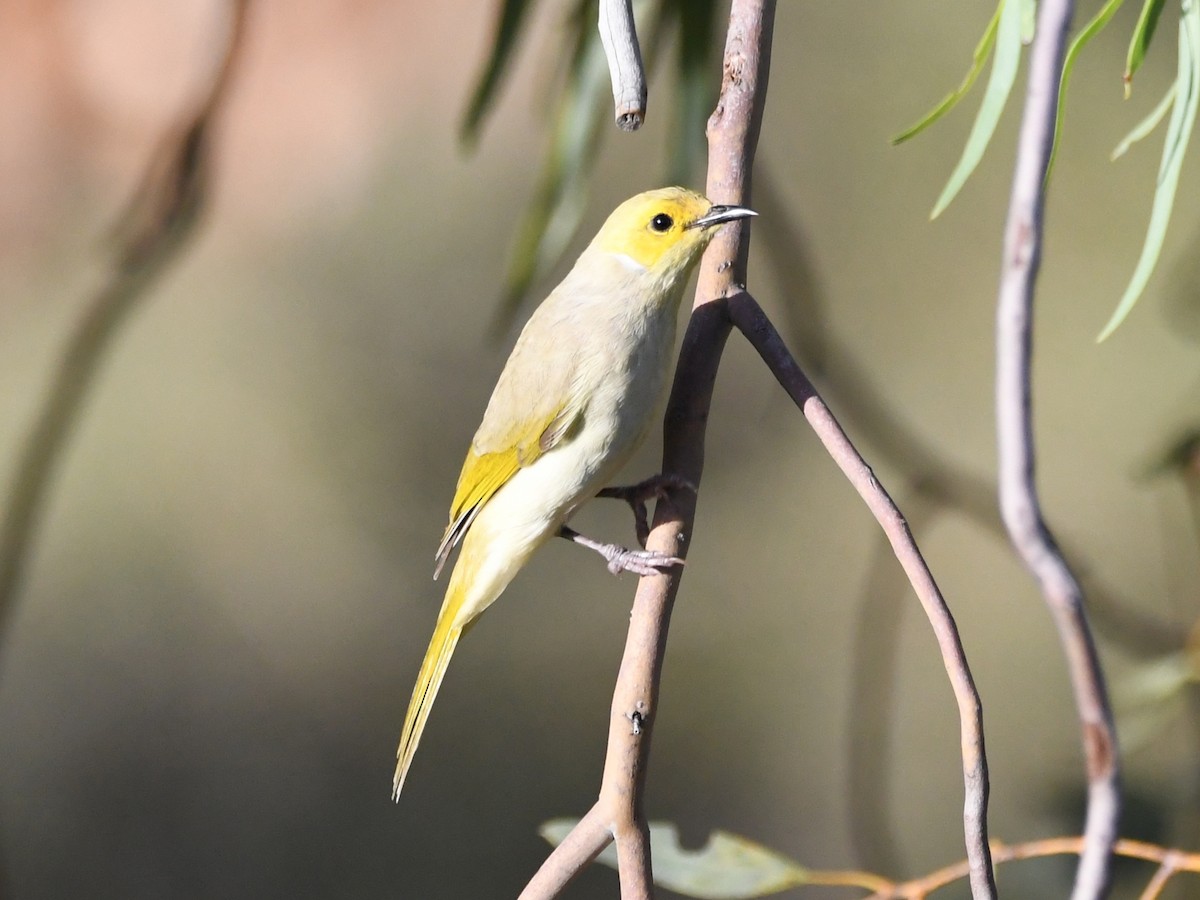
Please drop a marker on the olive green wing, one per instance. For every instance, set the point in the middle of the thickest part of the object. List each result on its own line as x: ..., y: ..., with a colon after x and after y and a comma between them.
x: 533, y: 409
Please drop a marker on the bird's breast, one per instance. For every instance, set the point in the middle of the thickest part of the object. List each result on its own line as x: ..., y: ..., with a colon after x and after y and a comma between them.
x: 620, y: 373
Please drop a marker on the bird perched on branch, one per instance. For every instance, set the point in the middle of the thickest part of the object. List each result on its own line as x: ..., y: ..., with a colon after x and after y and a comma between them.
x: 576, y: 398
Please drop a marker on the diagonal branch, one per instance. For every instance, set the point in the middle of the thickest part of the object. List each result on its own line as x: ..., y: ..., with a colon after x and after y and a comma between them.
x: 161, y: 217
x: 750, y: 319
x: 1019, y: 503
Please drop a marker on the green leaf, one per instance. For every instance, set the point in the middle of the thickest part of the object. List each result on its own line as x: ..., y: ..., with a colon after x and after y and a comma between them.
x: 1089, y: 31
x: 982, y: 50
x: 728, y: 867
x: 696, y: 92
x: 1147, y: 125
x: 508, y: 28
x: 1143, y: 32
x: 561, y: 194
x: 1004, y: 73
x: 1179, y: 131
x: 1028, y: 21
x: 1149, y: 697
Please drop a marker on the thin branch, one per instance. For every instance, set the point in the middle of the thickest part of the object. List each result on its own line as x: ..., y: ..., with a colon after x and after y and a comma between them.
x: 618, y: 34
x: 750, y: 319
x: 1170, y: 862
x: 157, y: 224
x: 1158, y: 883
x: 1019, y: 502
x: 732, y: 135
x: 578, y: 849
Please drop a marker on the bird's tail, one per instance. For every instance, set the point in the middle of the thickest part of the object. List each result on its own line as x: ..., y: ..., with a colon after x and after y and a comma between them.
x: 473, y: 587
x: 433, y: 670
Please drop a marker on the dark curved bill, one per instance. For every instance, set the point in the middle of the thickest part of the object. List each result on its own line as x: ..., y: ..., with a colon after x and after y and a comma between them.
x: 718, y: 215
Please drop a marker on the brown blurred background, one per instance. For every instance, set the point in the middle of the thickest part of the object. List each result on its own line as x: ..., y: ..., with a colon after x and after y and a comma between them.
x: 204, y: 678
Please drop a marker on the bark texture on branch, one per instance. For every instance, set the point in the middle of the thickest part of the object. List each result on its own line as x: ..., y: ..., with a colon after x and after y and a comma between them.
x: 618, y: 35
x: 1019, y: 502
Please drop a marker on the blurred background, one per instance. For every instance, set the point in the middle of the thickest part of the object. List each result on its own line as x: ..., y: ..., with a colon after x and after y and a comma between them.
x: 205, y: 670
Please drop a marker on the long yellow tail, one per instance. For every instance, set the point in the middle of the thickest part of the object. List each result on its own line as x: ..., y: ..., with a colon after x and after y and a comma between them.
x: 474, y: 584
x: 433, y: 670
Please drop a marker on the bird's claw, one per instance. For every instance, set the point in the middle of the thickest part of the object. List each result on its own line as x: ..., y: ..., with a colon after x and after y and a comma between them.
x: 640, y: 562
x: 656, y: 487
x: 621, y: 559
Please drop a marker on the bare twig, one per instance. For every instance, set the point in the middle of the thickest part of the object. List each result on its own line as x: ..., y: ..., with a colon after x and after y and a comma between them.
x: 1019, y: 502
x: 1170, y: 862
x: 160, y: 218
x: 618, y: 34
x: 578, y: 849
x: 732, y: 135
x: 750, y: 319
x: 1156, y: 885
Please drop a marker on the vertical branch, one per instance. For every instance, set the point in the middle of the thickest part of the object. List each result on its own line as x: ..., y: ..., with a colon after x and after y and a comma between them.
x: 1019, y: 502
x: 618, y: 814
x: 159, y: 220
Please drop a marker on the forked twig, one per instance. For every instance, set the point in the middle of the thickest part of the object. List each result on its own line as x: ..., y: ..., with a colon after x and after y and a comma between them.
x: 720, y: 302
x: 617, y: 814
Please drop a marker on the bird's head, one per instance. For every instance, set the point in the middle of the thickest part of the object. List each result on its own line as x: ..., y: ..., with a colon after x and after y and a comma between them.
x: 664, y: 232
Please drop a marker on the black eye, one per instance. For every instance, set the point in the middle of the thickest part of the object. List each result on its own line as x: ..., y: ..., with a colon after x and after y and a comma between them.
x: 662, y: 222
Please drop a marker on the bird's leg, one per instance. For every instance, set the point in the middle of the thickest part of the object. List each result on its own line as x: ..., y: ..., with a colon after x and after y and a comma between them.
x: 655, y: 487
x: 640, y: 562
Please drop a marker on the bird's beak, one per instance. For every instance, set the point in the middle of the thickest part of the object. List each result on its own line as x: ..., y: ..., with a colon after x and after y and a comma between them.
x: 717, y: 215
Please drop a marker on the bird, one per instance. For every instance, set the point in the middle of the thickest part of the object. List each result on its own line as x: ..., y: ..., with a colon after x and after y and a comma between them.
x: 575, y: 399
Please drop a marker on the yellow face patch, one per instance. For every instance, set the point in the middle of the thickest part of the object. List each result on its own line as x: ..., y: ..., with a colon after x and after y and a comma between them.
x: 653, y: 225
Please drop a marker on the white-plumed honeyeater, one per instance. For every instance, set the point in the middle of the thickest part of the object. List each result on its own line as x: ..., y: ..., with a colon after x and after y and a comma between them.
x: 576, y: 398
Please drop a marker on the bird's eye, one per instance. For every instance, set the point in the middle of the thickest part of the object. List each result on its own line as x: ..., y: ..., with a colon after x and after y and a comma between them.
x: 662, y: 222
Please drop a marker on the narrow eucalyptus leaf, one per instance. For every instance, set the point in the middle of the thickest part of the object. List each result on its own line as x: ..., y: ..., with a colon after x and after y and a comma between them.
x: 508, y: 29
x: 1004, y: 73
x: 696, y: 89
x: 560, y: 198
x: 982, y: 50
x: 1028, y: 21
x: 1179, y: 131
x: 1139, y: 44
x: 1089, y: 31
x: 1147, y: 125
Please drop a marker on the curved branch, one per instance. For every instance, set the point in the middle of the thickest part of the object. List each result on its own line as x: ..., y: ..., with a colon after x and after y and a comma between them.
x: 1019, y: 503
x: 750, y: 319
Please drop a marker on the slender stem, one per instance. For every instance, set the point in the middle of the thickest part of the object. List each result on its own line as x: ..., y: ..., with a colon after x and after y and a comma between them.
x: 1170, y: 862
x: 576, y: 852
x: 750, y: 319
x: 1158, y: 883
x: 1019, y: 502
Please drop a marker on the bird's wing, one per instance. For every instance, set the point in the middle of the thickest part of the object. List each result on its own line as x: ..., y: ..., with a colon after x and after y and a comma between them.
x: 550, y: 412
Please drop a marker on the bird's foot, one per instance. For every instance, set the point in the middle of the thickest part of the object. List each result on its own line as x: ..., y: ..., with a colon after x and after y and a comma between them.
x: 620, y: 559
x: 656, y: 487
